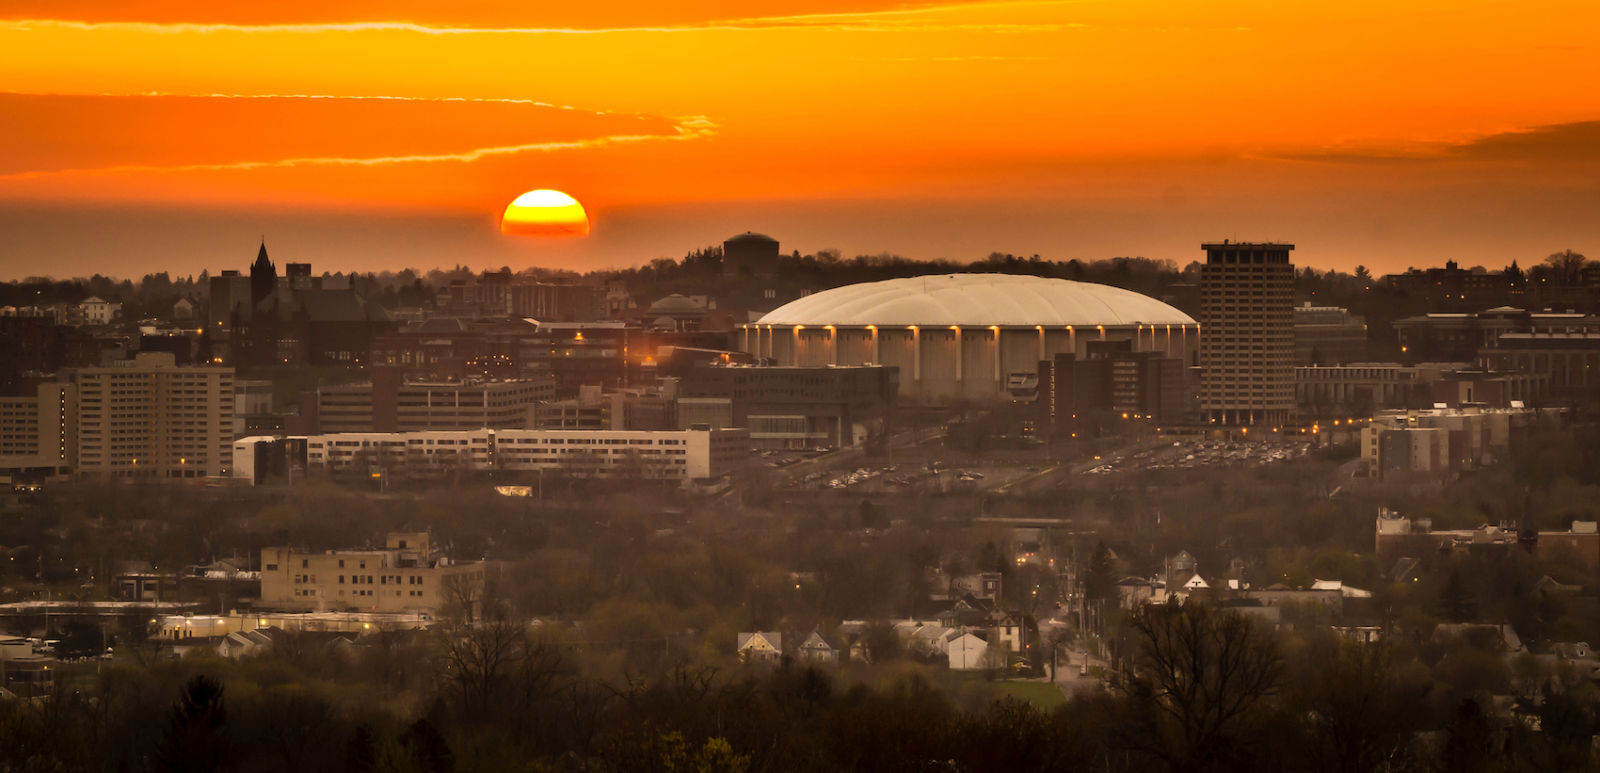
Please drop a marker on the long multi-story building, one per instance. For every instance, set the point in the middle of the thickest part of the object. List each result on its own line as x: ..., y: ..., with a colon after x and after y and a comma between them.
x: 406, y: 575
x: 149, y: 418
x: 389, y: 404
x: 1247, y: 333
x: 674, y: 455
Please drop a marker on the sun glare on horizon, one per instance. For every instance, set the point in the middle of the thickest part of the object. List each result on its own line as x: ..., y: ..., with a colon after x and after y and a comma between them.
x: 544, y: 213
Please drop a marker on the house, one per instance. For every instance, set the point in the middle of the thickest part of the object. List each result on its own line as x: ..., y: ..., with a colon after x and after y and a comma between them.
x: 967, y: 652
x: 1008, y: 631
x: 1134, y: 591
x: 183, y: 309
x: 922, y: 639
x: 816, y: 649
x: 96, y: 311
x: 967, y: 610
x: 244, y: 643
x: 760, y: 646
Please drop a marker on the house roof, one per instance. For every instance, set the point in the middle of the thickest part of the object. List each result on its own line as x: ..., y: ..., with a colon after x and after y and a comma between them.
x: 773, y: 639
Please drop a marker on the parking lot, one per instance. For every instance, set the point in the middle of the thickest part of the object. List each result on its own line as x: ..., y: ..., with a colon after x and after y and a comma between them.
x: 1191, y: 454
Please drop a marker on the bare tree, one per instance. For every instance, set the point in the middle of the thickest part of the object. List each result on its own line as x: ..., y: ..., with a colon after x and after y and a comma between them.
x: 1567, y: 265
x: 490, y: 660
x: 1199, y: 683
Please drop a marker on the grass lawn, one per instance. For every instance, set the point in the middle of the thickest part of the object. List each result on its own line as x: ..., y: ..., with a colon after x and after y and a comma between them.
x: 1043, y: 695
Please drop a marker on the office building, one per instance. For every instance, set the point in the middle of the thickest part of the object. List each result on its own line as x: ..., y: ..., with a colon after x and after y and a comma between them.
x: 1247, y: 334
x: 1082, y: 396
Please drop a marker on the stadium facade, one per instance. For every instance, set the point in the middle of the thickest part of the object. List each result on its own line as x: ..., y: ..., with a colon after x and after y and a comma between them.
x: 966, y: 336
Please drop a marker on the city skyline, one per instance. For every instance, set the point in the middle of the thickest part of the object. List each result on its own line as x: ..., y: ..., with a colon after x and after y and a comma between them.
x: 361, y: 138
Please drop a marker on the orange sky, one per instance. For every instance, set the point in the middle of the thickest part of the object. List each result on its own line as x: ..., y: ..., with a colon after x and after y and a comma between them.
x: 169, y: 135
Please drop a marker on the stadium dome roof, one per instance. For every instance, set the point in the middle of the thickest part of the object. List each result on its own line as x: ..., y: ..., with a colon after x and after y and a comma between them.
x: 676, y: 304
x: 750, y: 236
x: 979, y: 300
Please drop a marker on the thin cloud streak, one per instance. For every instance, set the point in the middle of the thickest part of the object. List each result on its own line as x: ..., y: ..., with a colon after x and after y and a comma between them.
x: 862, y: 21
x: 1564, y: 143
x: 689, y: 128
x: 335, y: 97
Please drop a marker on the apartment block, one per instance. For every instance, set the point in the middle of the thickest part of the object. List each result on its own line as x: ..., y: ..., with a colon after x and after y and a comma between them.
x: 38, y: 430
x: 149, y: 418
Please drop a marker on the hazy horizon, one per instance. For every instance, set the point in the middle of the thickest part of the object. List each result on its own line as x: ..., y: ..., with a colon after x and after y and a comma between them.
x: 363, y: 136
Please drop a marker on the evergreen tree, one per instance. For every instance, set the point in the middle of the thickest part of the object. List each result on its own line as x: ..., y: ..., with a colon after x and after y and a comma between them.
x: 196, y: 737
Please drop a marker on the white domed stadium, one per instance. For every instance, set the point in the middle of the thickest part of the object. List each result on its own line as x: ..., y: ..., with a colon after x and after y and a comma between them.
x: 966, y: 335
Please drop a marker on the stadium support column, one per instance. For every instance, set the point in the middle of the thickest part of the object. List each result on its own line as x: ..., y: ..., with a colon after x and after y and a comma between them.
x: 1042, y: 350
x: 833, y: 344
x: 916, y: 354
x: 996, y: 330
x: 877, y: 350
x: 959, y: 353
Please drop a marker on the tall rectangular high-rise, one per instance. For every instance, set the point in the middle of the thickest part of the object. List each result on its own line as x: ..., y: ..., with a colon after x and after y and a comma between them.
x: 1247, y: 334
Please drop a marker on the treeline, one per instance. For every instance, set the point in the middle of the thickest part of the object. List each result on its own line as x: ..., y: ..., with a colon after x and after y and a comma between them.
x: 1200, y: 690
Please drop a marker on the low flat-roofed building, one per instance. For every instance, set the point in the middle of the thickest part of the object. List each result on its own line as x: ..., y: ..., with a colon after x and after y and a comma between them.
x: 1397, y: 537
x: 1439, y: 440
x: 791, y: 406
x: 1328, y: 335
x: 406, y: 575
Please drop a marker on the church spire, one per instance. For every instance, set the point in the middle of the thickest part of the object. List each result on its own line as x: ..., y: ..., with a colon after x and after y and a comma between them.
x: 263, y: 276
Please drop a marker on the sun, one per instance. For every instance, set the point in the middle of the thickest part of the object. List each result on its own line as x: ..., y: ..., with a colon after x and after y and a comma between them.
x: 544, y: 213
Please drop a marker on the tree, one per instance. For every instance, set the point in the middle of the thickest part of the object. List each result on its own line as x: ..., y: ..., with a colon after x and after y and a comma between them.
x: 495, y: 667
x: 196, y: 737
x: 1199, y: 687
x: 1467, y: 739
x: 1361, y: 712
x: 882, y: 642
x: 1567, y: 266
x: 427, y: 747
x: 1514, y: 275
x: 1455, y: 600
